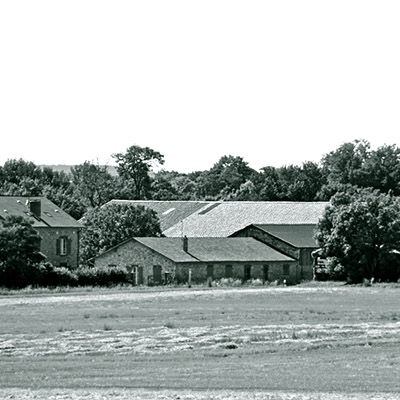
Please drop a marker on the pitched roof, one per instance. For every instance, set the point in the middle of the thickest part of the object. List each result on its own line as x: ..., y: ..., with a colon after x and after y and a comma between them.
x: 301, y: 236
x: 50, y: 216
x: 170, y: 213
x: 222, y: 219
x: 211, y: 249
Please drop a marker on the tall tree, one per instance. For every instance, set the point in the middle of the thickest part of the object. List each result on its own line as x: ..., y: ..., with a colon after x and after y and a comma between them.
x: 224, y: 178
x: 93, y: 183
x: 134, y: 167
x: 345, y: 164
x: 110, y: 225
x: 19, y: 252
x: 382, y: 169
x: 361, y: 229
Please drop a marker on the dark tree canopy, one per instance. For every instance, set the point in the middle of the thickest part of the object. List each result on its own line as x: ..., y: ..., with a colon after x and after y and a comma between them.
x: 134, y: 167
x: 112, y: 224
x: 361, y: 230
x: 19, y: 252
x: 93, y: 183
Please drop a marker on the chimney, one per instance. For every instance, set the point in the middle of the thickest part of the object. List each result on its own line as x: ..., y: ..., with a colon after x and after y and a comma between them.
x: 185, y: 243
x: 35, y: 207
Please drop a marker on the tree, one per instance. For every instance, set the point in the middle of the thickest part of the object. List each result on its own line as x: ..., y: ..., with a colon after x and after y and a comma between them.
x: 110, y: 225
x: 19, y: 252
x: 345, y: 164
x: 224, y: 178
x: 93, y: 183
x: 383, y: 169
x: 134, y: 167
x: 306, y: 184
x: 361, y: 229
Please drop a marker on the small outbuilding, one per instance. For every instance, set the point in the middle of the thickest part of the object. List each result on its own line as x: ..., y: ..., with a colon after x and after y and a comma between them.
x: 160, y: 260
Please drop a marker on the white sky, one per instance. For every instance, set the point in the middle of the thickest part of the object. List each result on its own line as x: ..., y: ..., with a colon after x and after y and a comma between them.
x: 275, y: 82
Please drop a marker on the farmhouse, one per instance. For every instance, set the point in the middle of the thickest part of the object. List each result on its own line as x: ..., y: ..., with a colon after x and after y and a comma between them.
x: 162, y: 260
x: 59, y: 232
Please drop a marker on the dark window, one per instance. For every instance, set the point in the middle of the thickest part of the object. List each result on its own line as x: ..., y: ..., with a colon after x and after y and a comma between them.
x: 247, y: 272
x: 228, y: 271
x: 286, y: 269
x: 210, y: 271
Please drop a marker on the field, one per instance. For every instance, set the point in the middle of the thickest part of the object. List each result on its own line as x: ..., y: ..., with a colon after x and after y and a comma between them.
x: 325, y: 342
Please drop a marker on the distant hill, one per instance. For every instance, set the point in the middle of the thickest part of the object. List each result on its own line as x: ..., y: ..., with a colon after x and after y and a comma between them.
x: 67, y: 168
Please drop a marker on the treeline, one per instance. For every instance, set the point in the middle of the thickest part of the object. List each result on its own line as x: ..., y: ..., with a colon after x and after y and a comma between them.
x: 89, y: 185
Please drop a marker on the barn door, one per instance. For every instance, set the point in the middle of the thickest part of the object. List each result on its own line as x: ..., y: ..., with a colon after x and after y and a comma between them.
x: 157, y: 277
x: 247, y: 272
x: 265, y: 273
x: 139, y: 276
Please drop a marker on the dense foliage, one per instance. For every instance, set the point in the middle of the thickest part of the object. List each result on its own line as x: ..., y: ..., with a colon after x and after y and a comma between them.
x: 360, y: 230
x: 89, y: 185
x: 108, y: 226
x: 19, y: 252
x: 340, y: 176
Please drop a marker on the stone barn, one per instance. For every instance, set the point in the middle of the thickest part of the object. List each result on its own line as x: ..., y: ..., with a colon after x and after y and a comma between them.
x: 155, y: 260
x: 296, y: 241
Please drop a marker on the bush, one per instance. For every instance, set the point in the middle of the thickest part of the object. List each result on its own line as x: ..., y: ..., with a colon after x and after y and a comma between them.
x: 49, y: 275
x: 229, y: 282
x: 93, y: 276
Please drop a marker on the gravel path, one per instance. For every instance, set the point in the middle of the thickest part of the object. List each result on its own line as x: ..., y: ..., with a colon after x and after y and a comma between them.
x: 139, y: 394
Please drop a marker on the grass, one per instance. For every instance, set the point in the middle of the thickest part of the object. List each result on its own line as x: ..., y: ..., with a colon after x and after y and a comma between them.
x: 304, y: 339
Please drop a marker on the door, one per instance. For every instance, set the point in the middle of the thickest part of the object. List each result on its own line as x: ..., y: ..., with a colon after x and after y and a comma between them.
x: 157, y: 277
x: 265, y: 273
x: 139, y: 275
x: 210, y: 271
x: 247, y: 272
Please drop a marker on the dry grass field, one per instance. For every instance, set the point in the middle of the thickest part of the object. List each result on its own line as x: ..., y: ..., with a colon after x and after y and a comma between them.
x: 302, y: 342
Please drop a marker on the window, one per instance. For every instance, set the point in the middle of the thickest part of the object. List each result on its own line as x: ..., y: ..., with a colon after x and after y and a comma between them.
x: 210, y: 271
x: 228, y: 271
x: 286, y: 269
x: 63, y: 246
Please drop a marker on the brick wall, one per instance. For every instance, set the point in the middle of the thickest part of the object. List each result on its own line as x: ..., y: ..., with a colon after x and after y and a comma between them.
x: 50, y: 245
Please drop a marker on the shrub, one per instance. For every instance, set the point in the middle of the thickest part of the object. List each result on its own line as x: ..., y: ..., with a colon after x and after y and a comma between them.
x: 102, y: 276
x: 49, y: 275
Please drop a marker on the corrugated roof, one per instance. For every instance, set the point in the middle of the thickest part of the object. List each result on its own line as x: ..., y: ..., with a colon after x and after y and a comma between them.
x: 170, y: 213
x: 214, y: 249
x: 229, y: 217
x: 301, y: 236
x: 51, y: 215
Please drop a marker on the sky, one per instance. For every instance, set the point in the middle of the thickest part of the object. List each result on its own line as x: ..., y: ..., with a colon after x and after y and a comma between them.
x: 274, y: 82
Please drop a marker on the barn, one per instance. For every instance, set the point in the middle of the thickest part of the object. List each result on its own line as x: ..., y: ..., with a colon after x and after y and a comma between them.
x: 163, y: 260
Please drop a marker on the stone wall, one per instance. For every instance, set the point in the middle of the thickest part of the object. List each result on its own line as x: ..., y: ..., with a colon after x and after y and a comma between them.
x: 303, y: 256
x: 133, y: 254
x: 50, y: 246
x: 265, y: 271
